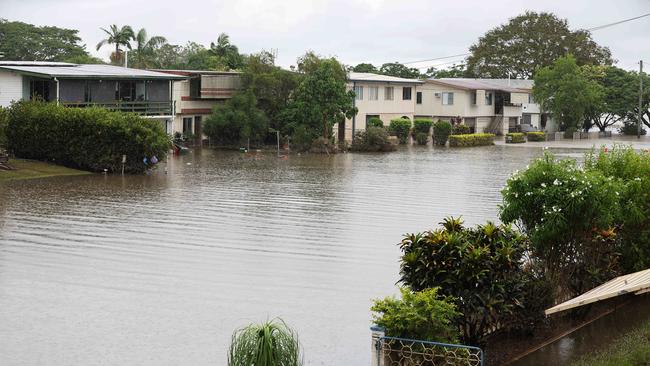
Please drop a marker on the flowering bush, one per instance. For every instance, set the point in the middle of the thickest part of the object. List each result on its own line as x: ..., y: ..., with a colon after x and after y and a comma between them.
x: 536, y: 136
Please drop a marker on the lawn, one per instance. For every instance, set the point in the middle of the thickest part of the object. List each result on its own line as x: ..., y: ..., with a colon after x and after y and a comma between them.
x: 30, y: 169
x: 632, y: 349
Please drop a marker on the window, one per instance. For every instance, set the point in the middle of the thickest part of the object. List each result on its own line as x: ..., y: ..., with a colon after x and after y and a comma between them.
x: 530, y: 99
x: 447, y: 98
x: 39, y: 90
x: 373, y: 93
x: 358, y: 92
x: 488, y: 98
x: 388, y: 93
x: 418, y: 97
x: 473, y: 96
x: 187, y: 125
x: 406, y: 93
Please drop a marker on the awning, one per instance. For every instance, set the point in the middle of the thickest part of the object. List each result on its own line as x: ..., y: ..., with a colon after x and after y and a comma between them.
x: 637, y: 283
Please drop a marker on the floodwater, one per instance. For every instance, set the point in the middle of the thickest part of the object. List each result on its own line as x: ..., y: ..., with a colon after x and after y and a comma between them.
x: 160, y: 269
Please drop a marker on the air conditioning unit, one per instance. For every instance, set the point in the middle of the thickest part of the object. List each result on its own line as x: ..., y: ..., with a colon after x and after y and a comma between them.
x: 437, y: 95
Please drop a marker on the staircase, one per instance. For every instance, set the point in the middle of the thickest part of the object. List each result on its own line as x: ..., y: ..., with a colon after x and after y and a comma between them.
x: 496, y: 126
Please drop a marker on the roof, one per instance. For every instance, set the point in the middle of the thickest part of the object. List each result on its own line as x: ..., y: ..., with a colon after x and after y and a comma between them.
x: 508, y: 85
x: 366, y: 76
x: 197, y: 72
x: 82, y: 71
x: 637, y: 283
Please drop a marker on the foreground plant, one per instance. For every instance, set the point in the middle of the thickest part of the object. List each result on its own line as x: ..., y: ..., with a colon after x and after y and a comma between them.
x: 271, y: 343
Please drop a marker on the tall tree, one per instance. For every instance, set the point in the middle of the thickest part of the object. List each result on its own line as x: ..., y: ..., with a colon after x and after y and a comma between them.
x: 119, y: 37
x: 227, y: 52
x: 365, y: 67
x: 529, y: 42
x: 566, y: 92
x: 25, y: 42
x: 144, y: 55
x: 455, y: 71
x: 620, y: 95
x: 399, y: 70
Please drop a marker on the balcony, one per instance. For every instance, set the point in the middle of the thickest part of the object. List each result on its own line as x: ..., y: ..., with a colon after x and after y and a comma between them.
x: 142, y: 108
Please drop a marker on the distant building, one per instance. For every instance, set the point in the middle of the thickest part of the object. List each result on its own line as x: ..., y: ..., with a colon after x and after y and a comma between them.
x: 144, y: 92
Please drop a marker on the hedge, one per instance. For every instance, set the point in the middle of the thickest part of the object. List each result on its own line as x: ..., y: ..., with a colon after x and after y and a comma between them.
x: 372, y: 139
x: 474, y: 139
x: 422, y: 125
x: 515, y: 138
x: 441, y: 132
x: 91, y: 139
x: 536, y: 136
x: 374, y: 122
x: 461, y: 129
x: 401, y: 127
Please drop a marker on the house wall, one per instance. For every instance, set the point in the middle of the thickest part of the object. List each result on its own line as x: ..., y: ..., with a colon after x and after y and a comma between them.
x: 187, y: 107
x: 11, y: 88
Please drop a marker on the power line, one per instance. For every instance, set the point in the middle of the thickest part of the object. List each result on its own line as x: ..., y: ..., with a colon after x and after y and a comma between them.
x: 436, y: 58
x: 617, y: 23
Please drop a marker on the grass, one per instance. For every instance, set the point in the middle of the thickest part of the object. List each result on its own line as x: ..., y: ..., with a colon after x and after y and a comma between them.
x: 30, y: 169
x: 632, y: 349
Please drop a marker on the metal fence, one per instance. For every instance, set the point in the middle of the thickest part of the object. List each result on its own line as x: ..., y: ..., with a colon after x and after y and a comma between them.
x: 391, y: 351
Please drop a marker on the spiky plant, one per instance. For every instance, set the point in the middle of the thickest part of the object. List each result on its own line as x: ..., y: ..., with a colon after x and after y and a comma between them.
x: 271, y: 343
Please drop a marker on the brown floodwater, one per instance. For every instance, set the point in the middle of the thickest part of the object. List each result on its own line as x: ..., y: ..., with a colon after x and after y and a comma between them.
x: 160, y: 269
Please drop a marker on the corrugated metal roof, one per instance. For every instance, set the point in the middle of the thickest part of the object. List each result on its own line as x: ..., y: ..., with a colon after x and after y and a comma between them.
x: 638, y: 282
x: 366, y: 76
x: 509, y: 85
x: 197, y: 72
x: 62, y: 70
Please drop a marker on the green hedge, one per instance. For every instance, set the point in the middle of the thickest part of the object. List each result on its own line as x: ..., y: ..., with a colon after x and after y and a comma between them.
x: 372, y: 139
x: 401, y: 127
x: 91, y: 139
x: 374, y: 122
x: 441, y: 132
x: 461, y: 129
x: 515, y: 138
x: 474, y: 139
x: 422, y: 125
x: 536, y: 136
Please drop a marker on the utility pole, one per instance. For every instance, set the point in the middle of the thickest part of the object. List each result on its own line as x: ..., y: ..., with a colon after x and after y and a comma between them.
x: 638, y: 127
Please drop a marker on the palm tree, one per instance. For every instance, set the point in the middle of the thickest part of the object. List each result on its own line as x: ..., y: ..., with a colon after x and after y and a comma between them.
x: 227, y: 52
x: 145, y: 47
x: 119, y: 37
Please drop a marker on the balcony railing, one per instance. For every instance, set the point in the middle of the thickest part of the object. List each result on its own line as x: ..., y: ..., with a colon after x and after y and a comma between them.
x: 142, y: 108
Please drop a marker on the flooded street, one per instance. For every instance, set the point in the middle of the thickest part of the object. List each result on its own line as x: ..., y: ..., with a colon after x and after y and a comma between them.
x: 160, y: 269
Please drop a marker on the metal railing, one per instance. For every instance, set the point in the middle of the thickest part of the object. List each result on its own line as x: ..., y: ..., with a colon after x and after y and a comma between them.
x: 392, y: 351
x: 144, y: 108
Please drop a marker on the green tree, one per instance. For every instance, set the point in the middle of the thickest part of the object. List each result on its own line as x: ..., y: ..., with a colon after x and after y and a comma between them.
x: 227, y: 52
x: 619, y: 98
x: 119, y: 37
x: 566, y: 92
x: 399, y: 70
x: 84, y: 59
x: 529, y: 42
x: 144, y: 54
x: 365, y: 67
x: 25, y: 42
x: 237, y: 121
x: 455, y: 71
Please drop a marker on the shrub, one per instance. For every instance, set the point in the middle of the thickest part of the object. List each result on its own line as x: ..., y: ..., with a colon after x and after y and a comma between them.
x: 301, y: 139
x: 236, y: 121
x: 372, y: 139
x: 401, y: 128
x: 422, y: 125
x: 441, y: 132
x: 422, y: 138
x: 84, y: 138
x: 515, y: 138
x: 536, y: 136
x: 461, y: 129
x: 473, y: 139
x: 268, y: 344
x: 418, y: 315
x: 630, y: 128
x: 374, y: 122
x: 481, y: 268
x: 568, y: 133
x: 4, y: 121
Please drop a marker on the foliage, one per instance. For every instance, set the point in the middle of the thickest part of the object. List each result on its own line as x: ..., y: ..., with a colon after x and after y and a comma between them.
x: 31, y: 169
x: 227, y: 52
x: 399, y: 70
x: 515, y: 137
x: 619, y: 95
x: 236, y: 121
x: 461, y: 129
x: 472, y: 139
x: 26, y: 42
x: 365, y: 67
x: 536, y: 136
x: 119, y: 36
x: 480, y: 267
x: 84, y: 138
x: 569, y: 215
x: 421, y: 138
x: 566, y: 92
x: 400, y: 127
x: 418, y: 315
x: 529, y: 42
x: 441, y: 132
x: 375, y: 122
x: 4, y: 122
x: 271, y: 343
x: 301, y: 139
x: 84, y: 59
x: 455, y: 71
x: 422, y: 125
x: 144, y: 57
x: 372, y: 139
x: 631, y: 128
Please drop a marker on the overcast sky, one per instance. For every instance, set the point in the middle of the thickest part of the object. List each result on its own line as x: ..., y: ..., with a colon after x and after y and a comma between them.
x: 355, y: 31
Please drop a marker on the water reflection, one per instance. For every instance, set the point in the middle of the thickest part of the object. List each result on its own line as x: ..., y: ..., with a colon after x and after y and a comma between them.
x: 160, y: 269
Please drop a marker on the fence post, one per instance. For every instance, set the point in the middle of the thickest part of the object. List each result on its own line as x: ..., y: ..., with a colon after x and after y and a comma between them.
x: 376, y: 354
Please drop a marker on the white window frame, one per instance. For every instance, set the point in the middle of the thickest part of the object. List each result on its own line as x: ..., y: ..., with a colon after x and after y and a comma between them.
x: 389, y: 93
x: 489, y: 98
x: 358, y: 91
x: 373, y: 93
x: 445, y: 98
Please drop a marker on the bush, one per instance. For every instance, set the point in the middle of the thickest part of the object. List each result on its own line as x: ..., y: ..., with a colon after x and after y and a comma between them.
x: 372, y: 139
x: 374, y: 122
x: 236, y: 121
x: 401, y: 127
x: 422, y: 138
x: 473, y: 139
x: 568, y: 133
x: 301, y: 139
x: 630, y: 128
x: 461, y: 129
x: 536, y: 136
x: 515, y: 138
x: 268, y: 344
x: 4, y: 121
x: 84, y: 138
x: 418, y: 315
x: 481, y: 268
x: 441, y: 132
x: 422, y: 125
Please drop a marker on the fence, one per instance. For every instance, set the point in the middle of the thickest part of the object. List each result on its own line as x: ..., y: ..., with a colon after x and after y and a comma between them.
x: 392, y: 351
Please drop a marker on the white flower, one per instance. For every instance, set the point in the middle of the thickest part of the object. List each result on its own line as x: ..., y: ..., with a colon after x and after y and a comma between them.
x: 637, y: 179
x: 543, y: 185
x: 557, y: 183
